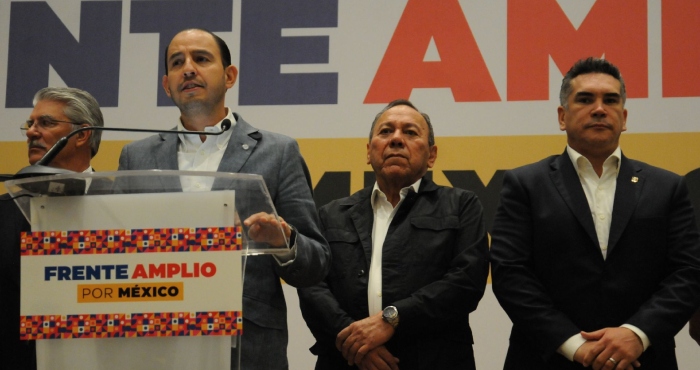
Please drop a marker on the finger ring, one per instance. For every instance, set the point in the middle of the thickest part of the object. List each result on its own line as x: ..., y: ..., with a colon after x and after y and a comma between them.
x: 613, y: 361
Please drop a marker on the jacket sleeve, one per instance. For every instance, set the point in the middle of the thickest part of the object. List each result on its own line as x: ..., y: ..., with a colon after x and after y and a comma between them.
x: 678, y: 295
x: 322, y: 312
x: 516, y: 283
x: 294, y: 203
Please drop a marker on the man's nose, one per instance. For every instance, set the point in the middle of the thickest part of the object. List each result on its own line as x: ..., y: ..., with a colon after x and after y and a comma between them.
x: 397, y: 139
x: 188, y: 69
x: 599, y: 110
x: 32, y: 132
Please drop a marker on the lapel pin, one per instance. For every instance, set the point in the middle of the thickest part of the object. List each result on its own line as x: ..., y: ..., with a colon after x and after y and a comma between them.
x: 635, y: 179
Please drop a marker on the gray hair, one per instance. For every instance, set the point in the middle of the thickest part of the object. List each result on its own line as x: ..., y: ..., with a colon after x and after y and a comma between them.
x: 81, y: 107
x: 585, y: 66
x: 431, y: 134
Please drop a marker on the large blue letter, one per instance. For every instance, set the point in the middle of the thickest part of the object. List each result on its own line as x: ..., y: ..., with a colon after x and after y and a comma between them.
x: 263, y: 50
x: 38, y: 39
x: 167, y: 18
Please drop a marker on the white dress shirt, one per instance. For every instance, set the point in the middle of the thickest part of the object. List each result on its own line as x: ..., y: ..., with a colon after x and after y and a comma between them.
x: 383, y: 215
x: 195, y: 155
x: 600, y: 193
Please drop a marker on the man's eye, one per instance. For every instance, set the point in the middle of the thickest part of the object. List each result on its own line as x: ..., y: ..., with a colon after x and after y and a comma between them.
x: 47, y: 123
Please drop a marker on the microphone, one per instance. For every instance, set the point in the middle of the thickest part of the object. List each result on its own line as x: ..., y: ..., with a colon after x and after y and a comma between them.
x: 41, y: 167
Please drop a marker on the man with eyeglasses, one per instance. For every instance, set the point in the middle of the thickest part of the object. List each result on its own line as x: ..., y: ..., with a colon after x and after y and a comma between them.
x: 57, y: 112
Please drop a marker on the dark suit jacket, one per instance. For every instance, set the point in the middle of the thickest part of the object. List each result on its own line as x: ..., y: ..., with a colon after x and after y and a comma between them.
x: 14, y: 354
x: 434, y: 270
x: 277, y: 159
x: 550, y: 276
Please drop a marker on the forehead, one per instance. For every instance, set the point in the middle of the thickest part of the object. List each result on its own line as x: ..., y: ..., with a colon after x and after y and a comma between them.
x: 51, y: 108
x: 595, y: 83
x: 193, y: 40
x: 402, y: 114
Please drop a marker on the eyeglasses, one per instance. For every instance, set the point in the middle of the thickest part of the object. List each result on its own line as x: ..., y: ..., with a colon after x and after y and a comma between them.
x: 43, y: 123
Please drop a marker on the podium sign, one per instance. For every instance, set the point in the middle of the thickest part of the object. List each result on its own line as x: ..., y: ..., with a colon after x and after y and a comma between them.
x: 128, y: 283
x: 132, y: 273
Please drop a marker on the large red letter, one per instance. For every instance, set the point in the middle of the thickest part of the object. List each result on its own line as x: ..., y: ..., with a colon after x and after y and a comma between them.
x: 680, y: 40
x: 538, y: 29
x: 461, y: 66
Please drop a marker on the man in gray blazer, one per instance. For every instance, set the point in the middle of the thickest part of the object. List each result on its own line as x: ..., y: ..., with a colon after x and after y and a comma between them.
x: 198, y: 74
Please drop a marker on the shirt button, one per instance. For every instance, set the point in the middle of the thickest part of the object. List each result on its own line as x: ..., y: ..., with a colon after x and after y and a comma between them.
x: 361, y: 272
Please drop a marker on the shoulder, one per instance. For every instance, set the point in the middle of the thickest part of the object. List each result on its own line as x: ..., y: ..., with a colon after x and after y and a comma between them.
x: 273, y: 138
x: 342, y: 204
x: 144, y: 144
x: 542, y: 166
x: 653, y: 173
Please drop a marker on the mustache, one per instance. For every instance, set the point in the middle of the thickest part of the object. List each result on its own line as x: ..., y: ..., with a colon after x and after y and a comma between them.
x: 35, y: 144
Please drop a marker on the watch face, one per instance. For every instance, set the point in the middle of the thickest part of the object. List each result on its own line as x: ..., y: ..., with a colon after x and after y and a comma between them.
x: 390, y: 312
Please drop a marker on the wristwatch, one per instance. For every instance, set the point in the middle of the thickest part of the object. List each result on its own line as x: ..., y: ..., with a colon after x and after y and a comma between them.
x: 391, y: 315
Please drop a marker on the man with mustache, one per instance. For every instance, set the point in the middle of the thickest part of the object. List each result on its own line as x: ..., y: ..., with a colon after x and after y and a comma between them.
x: 595, y: 256
x: 198, y: 72
x: 410, y: 260
x: 57, y: 112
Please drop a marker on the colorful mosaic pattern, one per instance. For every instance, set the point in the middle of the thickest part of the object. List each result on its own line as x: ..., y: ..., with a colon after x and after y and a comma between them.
x: 132, y: 241
x: 169, y: 324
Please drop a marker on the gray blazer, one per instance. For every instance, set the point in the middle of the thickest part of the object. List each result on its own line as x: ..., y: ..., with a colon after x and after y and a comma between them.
x: 277, y: 158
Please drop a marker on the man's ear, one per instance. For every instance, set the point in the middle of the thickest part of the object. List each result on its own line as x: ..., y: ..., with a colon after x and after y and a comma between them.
x: 165, y: 86
x: 83, y: 137
x: 432, y: 156
x: 231, y: 76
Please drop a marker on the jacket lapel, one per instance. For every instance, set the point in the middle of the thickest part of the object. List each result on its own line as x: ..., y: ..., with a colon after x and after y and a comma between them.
x: 166, y: 159
x: 627, y: 192
x: 244, y: 139
x: 567, y: 182
x: 362, y: 218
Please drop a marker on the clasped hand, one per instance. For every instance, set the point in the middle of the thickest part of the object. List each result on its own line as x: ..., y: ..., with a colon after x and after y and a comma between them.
x: 358, y: 341
x: 610, y: 348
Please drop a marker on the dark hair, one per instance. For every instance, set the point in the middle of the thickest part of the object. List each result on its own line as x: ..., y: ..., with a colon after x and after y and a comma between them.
x: 590, y: 65
x: 431, y: 134
x: 80, y: 107
x: 223, y: 48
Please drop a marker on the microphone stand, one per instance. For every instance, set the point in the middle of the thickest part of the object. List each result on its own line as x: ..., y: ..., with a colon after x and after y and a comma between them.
x: 41, y: 167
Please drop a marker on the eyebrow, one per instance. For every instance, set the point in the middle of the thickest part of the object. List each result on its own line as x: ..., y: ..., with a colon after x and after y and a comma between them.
x: 587, y: 94
x: 44, y: 117
x: 194, y: 52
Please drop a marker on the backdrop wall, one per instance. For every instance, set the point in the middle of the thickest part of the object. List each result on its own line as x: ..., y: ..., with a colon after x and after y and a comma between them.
x: 487, y: 72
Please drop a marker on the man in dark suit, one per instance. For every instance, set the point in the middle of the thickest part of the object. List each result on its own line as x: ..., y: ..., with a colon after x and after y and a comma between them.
x: 595, y: 256
x: 198, y: 74
x: 410, y: 260
x: 57, y: 112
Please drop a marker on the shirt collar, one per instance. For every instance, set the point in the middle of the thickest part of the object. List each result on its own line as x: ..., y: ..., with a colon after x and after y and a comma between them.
x: 376, y: 192
x: 221, y: 140
x: 615, y: 159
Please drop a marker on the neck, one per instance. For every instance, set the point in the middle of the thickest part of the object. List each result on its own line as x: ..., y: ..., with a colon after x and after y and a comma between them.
x: 392, y: 190
x: 199, y: 121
